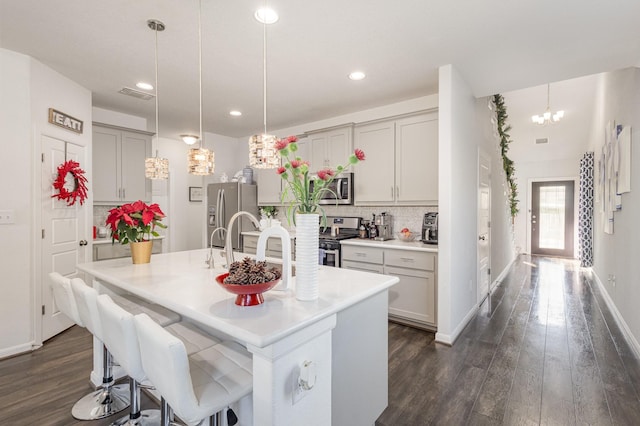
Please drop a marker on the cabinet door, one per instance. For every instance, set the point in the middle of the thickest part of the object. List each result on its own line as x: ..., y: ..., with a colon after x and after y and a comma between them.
x: 135, y: 148
x: 414, y: 296
x: 106, y: 165
x: 269, y: 187
x: 338, y: 147
x: 318, y: 151
x: 417, y: 159
x: 374, y: 178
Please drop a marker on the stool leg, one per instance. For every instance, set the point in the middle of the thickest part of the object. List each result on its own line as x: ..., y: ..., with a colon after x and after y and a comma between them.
x: 137, y: 417
x: 105, y: 401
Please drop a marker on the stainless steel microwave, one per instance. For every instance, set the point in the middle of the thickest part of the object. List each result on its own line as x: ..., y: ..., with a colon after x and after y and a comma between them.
x: 340, y: 190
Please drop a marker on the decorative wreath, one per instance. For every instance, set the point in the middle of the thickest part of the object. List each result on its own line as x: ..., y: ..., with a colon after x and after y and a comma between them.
x: 70, y: 172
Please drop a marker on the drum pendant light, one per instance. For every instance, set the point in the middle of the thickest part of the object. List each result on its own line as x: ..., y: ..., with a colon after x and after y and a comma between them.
x: 262, y: 151
x: 156, y: 167
x: 201, y: 160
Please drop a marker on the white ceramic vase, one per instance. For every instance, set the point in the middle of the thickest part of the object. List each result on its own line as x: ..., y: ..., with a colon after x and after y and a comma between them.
x: 307, y: 256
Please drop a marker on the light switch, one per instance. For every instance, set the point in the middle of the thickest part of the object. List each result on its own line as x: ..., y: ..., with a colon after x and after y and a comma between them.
x: 7, y: 217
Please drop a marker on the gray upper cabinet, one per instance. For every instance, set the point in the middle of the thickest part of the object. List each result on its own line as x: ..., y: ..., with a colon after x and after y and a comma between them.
x: 401, y: 166
x: 330, y: 147
x: 118, y: 165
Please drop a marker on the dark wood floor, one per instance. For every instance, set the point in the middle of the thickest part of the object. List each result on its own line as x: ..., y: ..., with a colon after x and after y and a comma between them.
x: 544, y: 350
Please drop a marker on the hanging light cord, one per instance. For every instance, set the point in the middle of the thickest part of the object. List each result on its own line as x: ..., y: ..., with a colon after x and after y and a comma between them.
x: 157, y: 119
x: 200, y: 63
x: 264, y: 72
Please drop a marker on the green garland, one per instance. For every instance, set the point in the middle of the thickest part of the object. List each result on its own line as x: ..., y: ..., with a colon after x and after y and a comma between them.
x: 507, y: 163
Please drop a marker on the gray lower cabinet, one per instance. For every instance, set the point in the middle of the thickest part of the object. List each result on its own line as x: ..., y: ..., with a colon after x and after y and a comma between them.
x: 274, y: 246
x: 113, y: 251
x: 413, y: 299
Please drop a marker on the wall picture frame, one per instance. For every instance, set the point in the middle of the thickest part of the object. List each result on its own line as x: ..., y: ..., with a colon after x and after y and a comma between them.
x: 195, y: 194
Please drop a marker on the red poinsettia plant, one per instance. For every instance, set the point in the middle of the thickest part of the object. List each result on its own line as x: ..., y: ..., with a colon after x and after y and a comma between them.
x: 134, y: 222
x: 295, y: 172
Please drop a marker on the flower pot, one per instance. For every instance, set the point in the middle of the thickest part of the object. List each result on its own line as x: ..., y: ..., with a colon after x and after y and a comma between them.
x: 141, y: 251
x: 307, y: 256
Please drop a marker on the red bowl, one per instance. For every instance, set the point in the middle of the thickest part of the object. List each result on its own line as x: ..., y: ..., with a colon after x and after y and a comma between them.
x: 248, y: 294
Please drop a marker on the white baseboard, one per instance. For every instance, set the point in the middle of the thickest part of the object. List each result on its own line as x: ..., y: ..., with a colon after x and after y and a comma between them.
x: 16, y: 350
x: 449, y: 339
x: 633, y: 342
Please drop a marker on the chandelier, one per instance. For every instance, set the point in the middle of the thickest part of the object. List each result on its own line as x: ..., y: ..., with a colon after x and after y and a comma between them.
x: 548, y: 116
x: 201, y: 161
x: 156, y: 167
x: 262, y: 148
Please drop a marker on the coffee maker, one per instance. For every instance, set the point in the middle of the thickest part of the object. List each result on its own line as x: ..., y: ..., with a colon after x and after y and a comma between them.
x: 430, y: 228
x: 383, y: 227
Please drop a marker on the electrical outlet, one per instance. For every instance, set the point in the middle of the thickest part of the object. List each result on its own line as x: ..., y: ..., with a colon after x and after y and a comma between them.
x: 7, y: 217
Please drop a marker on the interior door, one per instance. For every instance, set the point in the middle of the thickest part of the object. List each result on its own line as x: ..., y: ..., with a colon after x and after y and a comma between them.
x: 552, y: 218
x: 484, y: 224
x: 63, y: 232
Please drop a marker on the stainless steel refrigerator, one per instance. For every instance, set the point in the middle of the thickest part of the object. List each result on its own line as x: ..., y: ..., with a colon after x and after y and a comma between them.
x: 224, y: 200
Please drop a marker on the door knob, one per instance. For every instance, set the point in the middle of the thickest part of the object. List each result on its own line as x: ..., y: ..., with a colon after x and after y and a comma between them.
x: 83, y: 242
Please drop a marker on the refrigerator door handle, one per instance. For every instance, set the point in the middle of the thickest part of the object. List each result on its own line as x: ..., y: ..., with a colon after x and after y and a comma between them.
x: 223, y: 218
x: 217, y: 224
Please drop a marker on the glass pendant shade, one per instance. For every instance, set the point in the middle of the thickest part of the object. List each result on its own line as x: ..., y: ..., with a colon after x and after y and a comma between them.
x: 262, y: 152
x: 156, y: 168
x: 200, y: 161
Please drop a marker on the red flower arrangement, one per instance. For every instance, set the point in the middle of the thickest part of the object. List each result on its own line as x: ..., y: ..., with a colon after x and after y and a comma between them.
x: 70, y: 169
x: 132, y: 222
x: 295, y: 173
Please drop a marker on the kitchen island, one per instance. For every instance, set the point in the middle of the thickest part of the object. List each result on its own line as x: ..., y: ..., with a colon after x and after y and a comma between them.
x: 343, y: 334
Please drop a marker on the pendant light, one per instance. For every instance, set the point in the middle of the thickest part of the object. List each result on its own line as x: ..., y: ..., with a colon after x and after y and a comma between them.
x: 200, y: 160
x: 547, y: 116
x: 262, y: 150
x: 156, y: 167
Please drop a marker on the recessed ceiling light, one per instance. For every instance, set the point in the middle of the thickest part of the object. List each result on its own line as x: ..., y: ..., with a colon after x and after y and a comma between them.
x: 235, y: 113
x: 357, y: 75
x: 265, y: 15
x: 144, y: 86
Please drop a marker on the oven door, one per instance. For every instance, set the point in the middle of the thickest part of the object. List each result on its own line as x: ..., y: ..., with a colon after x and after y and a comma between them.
x: 329, y: 256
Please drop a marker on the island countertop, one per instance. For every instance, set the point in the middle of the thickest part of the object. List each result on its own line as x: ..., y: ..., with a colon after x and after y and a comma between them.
x: 182, y: 282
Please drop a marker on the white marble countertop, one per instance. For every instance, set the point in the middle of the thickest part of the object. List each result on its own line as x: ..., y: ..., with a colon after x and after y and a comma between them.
x: 182, y: 282
x: 108, y: 240
x: 257, y: 233
x: 391, y: 244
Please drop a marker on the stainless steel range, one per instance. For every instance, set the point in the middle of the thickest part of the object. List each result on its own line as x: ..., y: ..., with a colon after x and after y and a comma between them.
x: 337, y: 228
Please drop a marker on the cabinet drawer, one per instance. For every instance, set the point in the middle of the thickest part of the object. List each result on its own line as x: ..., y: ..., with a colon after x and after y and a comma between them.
x: 361, y: 266
x: 113, y: 251
x: 410, y: 259
x: 274, y: 244
x: 249, y: 242
x: 362, y: 254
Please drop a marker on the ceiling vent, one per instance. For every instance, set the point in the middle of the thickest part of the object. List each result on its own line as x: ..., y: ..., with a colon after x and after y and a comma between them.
x: 542, y: 140
x: 136, y: 93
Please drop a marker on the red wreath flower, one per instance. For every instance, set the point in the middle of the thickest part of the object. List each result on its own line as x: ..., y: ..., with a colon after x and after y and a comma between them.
x: 79, y: 191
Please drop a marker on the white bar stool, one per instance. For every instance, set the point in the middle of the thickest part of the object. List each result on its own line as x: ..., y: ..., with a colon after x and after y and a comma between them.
x: 121, y: 339
x: 196, y: 386
x: 110, y: 398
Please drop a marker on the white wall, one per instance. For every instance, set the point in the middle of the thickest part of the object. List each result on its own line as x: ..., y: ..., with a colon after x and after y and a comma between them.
x: 502, y: 235
x: 457, y: 264
x: 16, y: 172
x: 105, y: 116
x: 617, y: 254
x: 27, y: 90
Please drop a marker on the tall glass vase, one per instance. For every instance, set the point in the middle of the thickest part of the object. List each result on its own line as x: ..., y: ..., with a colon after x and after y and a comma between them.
x: 307, y: 256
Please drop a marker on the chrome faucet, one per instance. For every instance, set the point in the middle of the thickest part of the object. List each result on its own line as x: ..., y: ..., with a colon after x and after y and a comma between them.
x: 228, y: 247
x: 210, y: 260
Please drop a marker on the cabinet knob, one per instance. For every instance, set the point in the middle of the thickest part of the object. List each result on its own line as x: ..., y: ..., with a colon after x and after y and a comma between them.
x: 481, y: 238
x: 83, y: 242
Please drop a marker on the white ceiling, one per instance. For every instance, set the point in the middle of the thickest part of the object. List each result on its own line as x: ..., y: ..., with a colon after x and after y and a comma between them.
x: 497, y: 46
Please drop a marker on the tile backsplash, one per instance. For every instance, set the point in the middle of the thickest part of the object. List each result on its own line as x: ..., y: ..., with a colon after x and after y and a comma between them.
x: 403, y: 217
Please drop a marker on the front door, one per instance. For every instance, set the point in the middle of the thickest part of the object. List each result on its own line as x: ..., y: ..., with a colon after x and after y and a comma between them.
x: 484, y: 223
x: 63, y: 230
x: 552, y: 219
